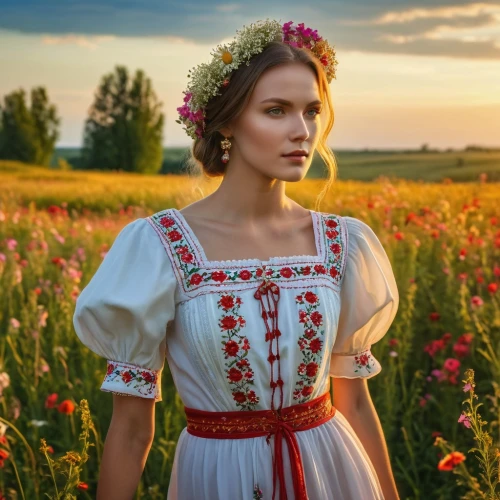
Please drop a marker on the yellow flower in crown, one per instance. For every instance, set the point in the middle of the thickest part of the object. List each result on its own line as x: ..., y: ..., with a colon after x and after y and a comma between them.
x: 226, y: 56
x: 208, y: 79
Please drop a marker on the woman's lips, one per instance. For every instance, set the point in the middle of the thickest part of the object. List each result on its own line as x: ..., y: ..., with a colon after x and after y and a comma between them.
x: 299, y: 158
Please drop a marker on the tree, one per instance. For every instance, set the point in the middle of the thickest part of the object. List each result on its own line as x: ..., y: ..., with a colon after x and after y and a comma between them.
x: 46, y: 125
x: 125, y: 126
x: 28, y: 135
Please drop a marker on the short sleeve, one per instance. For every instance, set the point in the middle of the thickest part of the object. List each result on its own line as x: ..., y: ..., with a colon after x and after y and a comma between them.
x: 123, y: 312
x: 369, y: 300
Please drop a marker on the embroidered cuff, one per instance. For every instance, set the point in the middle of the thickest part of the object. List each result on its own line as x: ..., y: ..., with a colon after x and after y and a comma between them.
x: 359, y: 365
x: 128, y: 379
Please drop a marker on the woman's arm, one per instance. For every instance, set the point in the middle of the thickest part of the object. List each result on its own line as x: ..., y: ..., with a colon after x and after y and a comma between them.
x: 353, y: 400
x: 126, y: 448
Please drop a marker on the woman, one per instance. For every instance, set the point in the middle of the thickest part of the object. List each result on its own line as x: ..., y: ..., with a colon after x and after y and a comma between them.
x: 255, y: 301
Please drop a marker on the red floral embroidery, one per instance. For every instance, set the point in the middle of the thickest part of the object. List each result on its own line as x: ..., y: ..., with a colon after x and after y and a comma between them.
x: 235, y: 348
x: 142, y: 380
x: 363, y: 361
x: 194, y: 275
x: 310, y: 344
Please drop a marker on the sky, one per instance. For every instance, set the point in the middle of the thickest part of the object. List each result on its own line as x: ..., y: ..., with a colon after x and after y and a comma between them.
x: 409, y: 72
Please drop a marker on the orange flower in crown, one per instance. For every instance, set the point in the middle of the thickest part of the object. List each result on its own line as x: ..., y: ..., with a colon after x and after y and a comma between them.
x: 208, y: 79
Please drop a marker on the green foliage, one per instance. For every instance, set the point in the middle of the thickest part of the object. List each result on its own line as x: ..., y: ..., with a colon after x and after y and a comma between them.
x: 125, y: 126
x: 28, y: 134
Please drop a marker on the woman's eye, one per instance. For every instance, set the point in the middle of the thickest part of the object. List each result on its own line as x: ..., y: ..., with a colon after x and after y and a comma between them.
x: 317, y: 111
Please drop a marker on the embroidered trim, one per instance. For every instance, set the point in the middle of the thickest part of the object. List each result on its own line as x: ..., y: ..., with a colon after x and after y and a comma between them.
x: 310, y: 344
x: 259, y: 421
x: 362, y: 362
x: 142, y: 381
x: 235, y: 348
x: 193, y: 274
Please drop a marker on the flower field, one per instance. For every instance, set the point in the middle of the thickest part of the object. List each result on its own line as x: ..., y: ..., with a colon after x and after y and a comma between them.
x: 438, y: 395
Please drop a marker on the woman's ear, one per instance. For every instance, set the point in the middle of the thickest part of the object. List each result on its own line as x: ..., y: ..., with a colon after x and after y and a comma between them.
x: 225, y: 131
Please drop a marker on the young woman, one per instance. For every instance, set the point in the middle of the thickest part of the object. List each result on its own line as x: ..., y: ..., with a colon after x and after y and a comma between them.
x: 255, y: 301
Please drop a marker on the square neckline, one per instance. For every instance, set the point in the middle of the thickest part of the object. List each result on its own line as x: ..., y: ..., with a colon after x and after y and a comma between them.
x: 272, y: 261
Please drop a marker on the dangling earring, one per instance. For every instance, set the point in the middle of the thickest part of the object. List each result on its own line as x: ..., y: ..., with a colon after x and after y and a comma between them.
x: 226, y: 145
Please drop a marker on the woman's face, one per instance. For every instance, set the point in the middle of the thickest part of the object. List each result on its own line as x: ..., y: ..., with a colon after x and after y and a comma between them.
x: 270, y: 128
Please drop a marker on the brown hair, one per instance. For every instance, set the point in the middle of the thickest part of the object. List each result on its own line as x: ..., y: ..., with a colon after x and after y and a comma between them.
x: 206, y: 152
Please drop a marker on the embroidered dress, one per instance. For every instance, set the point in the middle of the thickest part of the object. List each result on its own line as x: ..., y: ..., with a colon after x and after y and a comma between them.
x: 241, y: 336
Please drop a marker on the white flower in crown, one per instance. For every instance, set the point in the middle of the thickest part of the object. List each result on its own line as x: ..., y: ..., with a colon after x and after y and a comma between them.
x: 208, y: 79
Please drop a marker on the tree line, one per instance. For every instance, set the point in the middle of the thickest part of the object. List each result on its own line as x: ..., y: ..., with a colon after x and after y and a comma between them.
x: 123, y: 129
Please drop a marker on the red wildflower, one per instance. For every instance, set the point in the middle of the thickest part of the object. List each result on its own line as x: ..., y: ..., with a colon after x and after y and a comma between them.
x: 67, y: 406
x: 451, y: 365
x: 451, y: 460
x: 434, y: 316
x: 50, y: 401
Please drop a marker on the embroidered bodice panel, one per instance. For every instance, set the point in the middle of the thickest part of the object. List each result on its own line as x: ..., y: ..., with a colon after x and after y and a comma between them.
x: 251, y: 334
x: 237, y: 334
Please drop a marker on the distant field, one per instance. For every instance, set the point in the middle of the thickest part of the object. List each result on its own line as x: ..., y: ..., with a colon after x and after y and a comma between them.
x: 367, y: 166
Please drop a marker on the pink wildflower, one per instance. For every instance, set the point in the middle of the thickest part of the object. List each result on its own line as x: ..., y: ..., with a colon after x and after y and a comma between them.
x: 464, y: 419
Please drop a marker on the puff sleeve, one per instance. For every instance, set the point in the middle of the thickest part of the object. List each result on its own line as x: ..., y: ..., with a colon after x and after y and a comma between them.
x: 122, y: 313
x: 369, y: 300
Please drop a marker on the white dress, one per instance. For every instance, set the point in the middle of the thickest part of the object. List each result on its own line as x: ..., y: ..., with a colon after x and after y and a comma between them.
x: 156, y: 296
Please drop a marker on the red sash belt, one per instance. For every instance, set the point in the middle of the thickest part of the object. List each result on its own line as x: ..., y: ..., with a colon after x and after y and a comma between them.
x: 280, y: 423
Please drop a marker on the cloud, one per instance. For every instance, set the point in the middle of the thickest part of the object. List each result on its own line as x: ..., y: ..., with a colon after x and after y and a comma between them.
x: 453, y: 28
x: 88, y: 42
x: 469, y: 31
x: 227, y: 7
x: 450, y: 12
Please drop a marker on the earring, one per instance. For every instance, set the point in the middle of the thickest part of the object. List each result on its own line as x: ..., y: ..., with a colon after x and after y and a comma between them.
x: 226, y: 145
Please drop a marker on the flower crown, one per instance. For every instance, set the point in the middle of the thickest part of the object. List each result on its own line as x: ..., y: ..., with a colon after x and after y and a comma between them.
x: 208, y: 79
